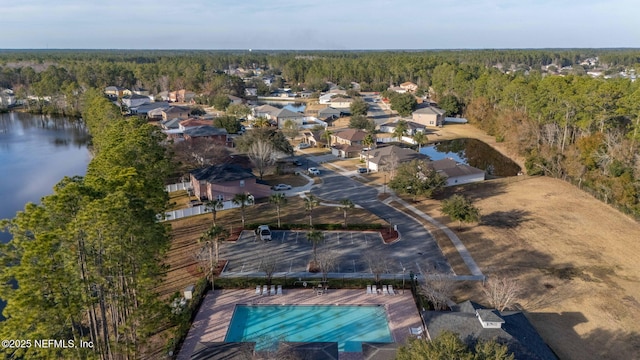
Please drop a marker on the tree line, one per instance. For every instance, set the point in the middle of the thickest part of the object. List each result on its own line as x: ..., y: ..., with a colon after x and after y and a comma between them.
x: 85, y: 260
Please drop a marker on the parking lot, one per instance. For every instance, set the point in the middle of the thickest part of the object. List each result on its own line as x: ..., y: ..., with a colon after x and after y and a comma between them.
x: 289, y: 252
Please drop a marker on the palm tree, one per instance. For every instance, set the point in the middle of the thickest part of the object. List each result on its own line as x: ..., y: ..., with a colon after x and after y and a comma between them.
x: 326, y: 136
x: 400, y: 129
x: 242, y: 199
x: 278, y: 200
x: 315, y: 237
x: 368, y: 143
x: 261, y: 122
x: 310, y: 202
x: 420, y: 138
x: 214, y: 206
x: 212, y: 238
x: 346, y: 205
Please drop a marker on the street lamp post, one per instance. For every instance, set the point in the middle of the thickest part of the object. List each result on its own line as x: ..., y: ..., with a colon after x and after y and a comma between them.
x: 403, y: 270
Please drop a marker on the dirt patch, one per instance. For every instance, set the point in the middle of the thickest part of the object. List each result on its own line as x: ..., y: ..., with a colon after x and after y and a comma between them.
x: 575, y: 257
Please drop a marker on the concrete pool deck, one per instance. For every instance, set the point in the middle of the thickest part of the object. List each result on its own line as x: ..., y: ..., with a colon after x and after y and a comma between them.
x: 214, y: 316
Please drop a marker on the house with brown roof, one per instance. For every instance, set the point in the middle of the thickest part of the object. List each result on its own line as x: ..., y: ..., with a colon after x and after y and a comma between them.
x: 408, y: 86
x: 347, y: 143
x: 429, y: 116
x: 216, y: 135
x: 314, y: 138
x: 225, y: 181
x: 183, y: 96
x: 193, y: 122
x: 340, y: 102
x: 176, y: 112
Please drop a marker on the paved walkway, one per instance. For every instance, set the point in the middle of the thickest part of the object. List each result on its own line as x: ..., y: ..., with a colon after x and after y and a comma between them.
x: 213, y: 319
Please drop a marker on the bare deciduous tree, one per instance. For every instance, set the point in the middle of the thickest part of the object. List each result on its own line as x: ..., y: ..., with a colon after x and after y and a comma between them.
x: 326, y: 261
x: 501, y: 291
x: 268, y: 264
x: 262, y: 155
x: 199, y: 152
x: 438, y: 289
x: 378, y: 265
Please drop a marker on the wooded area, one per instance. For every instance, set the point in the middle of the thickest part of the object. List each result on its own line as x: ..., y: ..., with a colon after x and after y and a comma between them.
x: 87, y: 259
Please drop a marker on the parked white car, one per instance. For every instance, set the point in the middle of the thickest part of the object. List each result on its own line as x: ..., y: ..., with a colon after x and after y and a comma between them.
x: 313, y: 171
x: 264, y: 232
x: 303, y: 146
x: 281, y: 187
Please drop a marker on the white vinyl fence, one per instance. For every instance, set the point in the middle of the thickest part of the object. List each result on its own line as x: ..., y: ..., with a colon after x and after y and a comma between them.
x: 178, y: 187
x: 196, y: 210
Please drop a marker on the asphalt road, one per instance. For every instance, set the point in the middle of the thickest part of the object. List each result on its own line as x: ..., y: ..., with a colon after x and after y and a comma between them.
x: 416, y: 251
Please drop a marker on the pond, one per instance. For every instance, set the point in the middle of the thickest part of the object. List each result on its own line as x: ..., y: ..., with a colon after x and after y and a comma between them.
x: 474, y: 153
x: 290, y: 105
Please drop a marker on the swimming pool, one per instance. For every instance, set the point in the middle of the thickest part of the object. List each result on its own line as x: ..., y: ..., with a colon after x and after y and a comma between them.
x: 348, y: 325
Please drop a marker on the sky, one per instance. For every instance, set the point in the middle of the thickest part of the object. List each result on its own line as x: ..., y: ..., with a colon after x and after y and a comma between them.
x: 318, y: 24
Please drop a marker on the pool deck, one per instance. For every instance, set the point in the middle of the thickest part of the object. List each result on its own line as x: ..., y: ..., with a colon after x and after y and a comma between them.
x: 214, y: 317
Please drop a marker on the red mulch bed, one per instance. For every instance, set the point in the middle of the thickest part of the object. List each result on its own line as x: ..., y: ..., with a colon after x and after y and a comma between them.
x: 235, y: 235
x: 389, y: 236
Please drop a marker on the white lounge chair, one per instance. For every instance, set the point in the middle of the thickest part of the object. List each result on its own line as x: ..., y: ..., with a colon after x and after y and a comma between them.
x: 279, y: 292
x: 265, y: 290
x: 384, y: 290
x: 273, y: 290
x: 369, y: 290
x: 416, y: 331
x: 391, y: 292
x: 258, y: 290
x: 374, y: 289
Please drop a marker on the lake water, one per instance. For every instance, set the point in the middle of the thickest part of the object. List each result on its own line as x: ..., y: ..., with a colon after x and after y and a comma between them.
x: 474, y: 153
x: 36, y: 152
x: 290, y: 105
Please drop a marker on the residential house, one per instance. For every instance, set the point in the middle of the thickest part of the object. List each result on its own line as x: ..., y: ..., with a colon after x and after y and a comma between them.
x: 153, y: 110
x: 193, y: 122
x: 398, y: 89
x: 408, y: 86
x: 225, y: 181
x: 329, y: 113
x: 457, y: 173
x: 7, y: 98
x: 388, y: 158
x: 170, y: 124
x: 325, y: 98
x: 314, y: 138
x: 285, y: 114
x: 429, y: 116
x: 140, y: 91
x: 251, y: 91
x: 265, y: 111
x: 217, y: 136
x: 340, y: 102
x: 347, y: 143
x: 163, y: 96
x: 182, y: 96
x: 305, y: 94
x: 235, y: 100
x: 114, y: 91
x: 179, y: 112
x: 412, y: 127
x: 473, y: 322
x: 134, y: 100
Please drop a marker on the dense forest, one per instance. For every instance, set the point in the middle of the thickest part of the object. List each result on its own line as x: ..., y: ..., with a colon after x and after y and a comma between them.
x: 565, y: 123
x: 87, y: 259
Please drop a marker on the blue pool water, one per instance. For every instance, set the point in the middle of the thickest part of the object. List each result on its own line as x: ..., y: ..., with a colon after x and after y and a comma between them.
x: 348, y: 325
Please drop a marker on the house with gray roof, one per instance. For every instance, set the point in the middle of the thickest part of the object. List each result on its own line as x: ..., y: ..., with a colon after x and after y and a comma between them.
x: 473, y: 322
x: 429, y: 116
x: 285, y: 114
x: 329, y: 113
x: 387, y: 157
x: 412, y: 127
x: 135, y: 100
x: 216, y: 135
x: 148, y: 109
x: 457, y: 173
